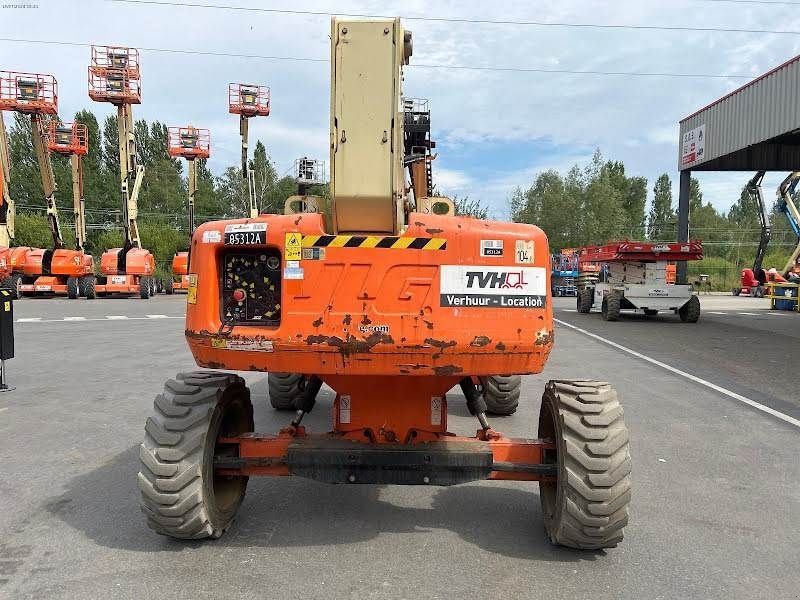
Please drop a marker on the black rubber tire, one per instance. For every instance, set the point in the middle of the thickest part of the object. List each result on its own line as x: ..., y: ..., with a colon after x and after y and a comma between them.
x: 585, y: 300
x: 284, y: 389
x: 12, y: 284
x: 144, y: 288
x: 690, y: 312
x: 736, y: 291
x: 501, y: 393
x: 73, y: 290
x: 587, y: 506
x: 168, y: 289
x: 611, y: 307
x: 180, y: 497
x: 153, y: 286
x: 88, y: 287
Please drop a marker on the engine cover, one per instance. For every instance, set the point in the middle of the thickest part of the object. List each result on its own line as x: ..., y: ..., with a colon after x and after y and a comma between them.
x: 450, y: 296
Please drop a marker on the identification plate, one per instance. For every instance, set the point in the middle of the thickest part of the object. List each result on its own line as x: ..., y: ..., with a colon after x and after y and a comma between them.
x: 245, y: 234
x: 245, y: 238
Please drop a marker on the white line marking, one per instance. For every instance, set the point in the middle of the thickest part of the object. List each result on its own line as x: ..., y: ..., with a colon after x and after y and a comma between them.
x: 751, y: 314
x: 106, y: 319
x: 712, y: 312
x: 3, y: 409
x: 773, y: 313
x: 689, y: 376
x: 569, y: 310
x: 157, y: 317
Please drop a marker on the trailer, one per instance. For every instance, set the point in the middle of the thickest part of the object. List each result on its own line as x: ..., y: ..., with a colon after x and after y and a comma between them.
x: 635, y: 279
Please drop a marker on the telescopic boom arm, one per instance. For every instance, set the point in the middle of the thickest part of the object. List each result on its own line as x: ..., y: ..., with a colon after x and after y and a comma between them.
x: 787, y: 206
x: 48, y: 180
x: 131, y: 174
x: 6, y: 203
x: 754, y: 190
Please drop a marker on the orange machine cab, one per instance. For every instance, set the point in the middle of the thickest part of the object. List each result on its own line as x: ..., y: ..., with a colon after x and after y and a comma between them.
x: 452, y: 296
x: 70, y: 263
x: 137, y: 262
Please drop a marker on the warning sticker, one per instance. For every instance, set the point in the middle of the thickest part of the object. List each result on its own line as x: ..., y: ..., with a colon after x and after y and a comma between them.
x: 293, y: 273
x: 344, y: 409
x: 436, y: 410
x: 212, y: 237
x: 292, y: 246
x: 191, y: 290
x: 523, y: 252
x: 313, y: 253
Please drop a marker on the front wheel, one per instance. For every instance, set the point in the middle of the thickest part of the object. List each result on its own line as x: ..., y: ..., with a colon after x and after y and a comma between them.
x: 586, y: 507
x: 690, y: 312
x: 585, y: 300
x: 72, y: 288
x: 611, y: 306
x: 501, y: 393
x: 168, y: 286
x: 144, y: 288
x: 182, y: 496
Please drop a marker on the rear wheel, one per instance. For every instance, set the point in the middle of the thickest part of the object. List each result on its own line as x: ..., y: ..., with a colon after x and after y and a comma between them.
x: 153, y: 286
x: 285, y: 389
x: 144, y: 287
x: 736, y: 291
x: 611, y: 306
x: 690, y: 312
x: 13, y: 284
x: 585, y: 300
x: 168, y: 289
x: 501, y: 393
x: 87, y: 287
x: 182, y: 497
x: 72, y: 288
x: 587, y: 506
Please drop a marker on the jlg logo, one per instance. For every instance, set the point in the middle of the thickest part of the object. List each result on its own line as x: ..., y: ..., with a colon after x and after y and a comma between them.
x: 502, y: 280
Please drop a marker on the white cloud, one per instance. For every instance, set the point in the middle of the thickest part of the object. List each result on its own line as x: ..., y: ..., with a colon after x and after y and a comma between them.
x: 630, y: 118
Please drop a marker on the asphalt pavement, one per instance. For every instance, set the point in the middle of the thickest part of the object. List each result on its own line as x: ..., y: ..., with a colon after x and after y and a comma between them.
x: 715, y: 508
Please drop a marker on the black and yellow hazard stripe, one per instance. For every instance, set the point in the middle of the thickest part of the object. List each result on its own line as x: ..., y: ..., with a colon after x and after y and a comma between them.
x: 373, y: 241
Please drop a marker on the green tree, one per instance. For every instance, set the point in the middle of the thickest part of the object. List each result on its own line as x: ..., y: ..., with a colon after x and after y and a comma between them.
x: 467, y: 207
x: 661, y: 220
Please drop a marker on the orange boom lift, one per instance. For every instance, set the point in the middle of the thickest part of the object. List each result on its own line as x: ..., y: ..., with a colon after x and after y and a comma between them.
x: 114, y: 77
x: 6, y: 212
x: 55, y: 270
x: 191, y: 143
x: 248, y: 100
x: 391, y: 306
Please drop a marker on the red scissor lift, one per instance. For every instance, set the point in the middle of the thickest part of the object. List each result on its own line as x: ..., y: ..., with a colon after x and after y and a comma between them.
x: 114, y: 77
x: 190, y: 143
x: 635, y: 278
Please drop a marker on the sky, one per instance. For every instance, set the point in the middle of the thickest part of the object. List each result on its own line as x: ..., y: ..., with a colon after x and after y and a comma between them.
x: 495, y: 130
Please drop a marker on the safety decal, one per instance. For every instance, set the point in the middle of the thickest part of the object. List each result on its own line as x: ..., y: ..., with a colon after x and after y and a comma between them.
x: 523, y: 252
x: 374, y: 241
x: 191, y: 289
x: 212, y: 237
x: 313, y: 253
x: 492, y: 248
x: 242, y: 345
x: 291, y: 247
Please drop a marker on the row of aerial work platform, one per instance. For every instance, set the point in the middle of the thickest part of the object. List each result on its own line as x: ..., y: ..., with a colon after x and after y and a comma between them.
x: 114, y: 76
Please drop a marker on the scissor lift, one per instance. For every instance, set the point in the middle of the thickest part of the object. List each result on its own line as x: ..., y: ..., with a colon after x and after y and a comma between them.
x: 114, y: 77
x: 248, y: 100
x: 190, y: 143
x: 636, y: 279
